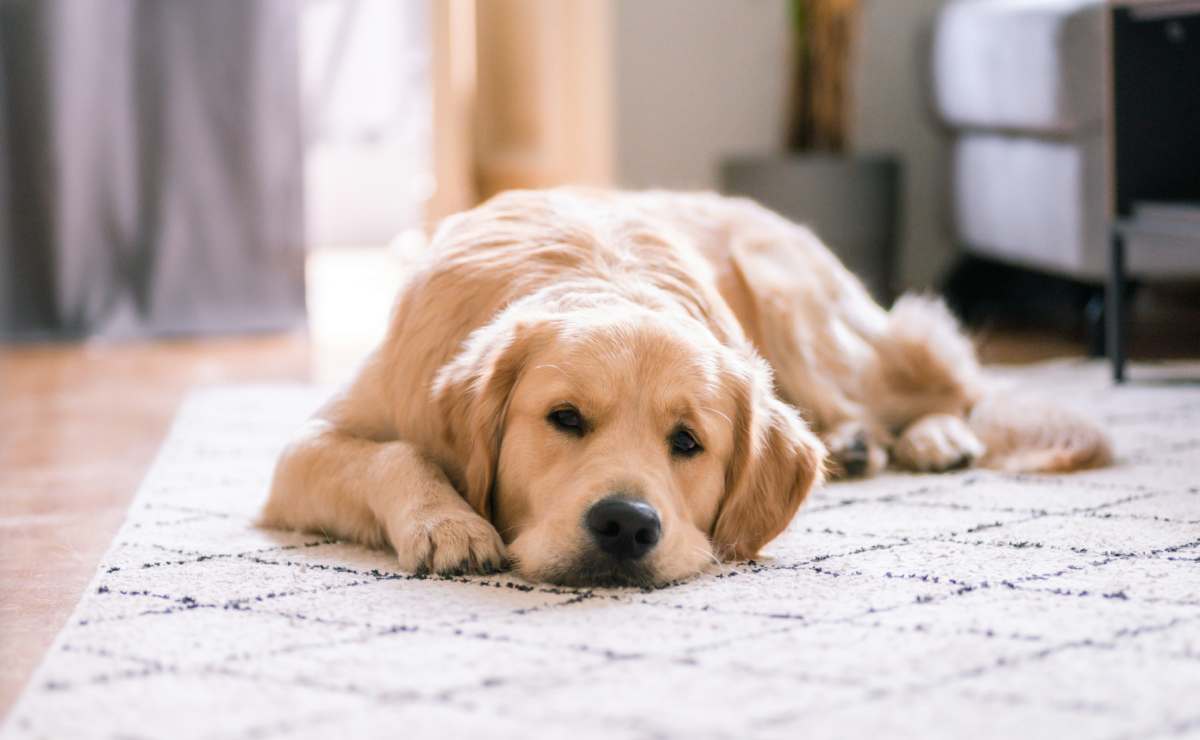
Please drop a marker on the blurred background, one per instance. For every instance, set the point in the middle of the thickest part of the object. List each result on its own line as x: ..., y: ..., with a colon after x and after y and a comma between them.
x: 226, y: 191
x: 183, y: 169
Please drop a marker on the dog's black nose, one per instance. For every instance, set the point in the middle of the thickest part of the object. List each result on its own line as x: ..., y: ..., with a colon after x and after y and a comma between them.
x: 624, y: 528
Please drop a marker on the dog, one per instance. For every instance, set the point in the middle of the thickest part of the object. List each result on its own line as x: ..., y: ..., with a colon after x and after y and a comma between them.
x: 614, y: 388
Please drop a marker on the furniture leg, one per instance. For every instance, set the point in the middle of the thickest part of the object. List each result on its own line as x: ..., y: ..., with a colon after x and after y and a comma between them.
x: 1116, y: 306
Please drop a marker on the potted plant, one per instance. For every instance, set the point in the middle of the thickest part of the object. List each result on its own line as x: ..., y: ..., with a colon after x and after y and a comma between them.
x: 850, y: 201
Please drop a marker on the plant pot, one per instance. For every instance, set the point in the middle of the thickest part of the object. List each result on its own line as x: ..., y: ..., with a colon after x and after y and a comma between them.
x: 850, y: 202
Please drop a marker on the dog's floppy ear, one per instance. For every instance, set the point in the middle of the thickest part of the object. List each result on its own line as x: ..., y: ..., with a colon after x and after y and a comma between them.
x: 776, y: 461
x: 472, y: 393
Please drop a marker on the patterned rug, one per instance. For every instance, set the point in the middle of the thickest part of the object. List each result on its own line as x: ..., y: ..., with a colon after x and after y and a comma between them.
x: 970, y: 604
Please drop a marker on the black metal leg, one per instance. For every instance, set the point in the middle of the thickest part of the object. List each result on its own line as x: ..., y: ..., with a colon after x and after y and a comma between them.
x: 1095, y: 320
x: 1116, y: 306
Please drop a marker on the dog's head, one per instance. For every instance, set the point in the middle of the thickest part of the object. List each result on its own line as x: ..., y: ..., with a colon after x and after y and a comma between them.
x: 615, y: 447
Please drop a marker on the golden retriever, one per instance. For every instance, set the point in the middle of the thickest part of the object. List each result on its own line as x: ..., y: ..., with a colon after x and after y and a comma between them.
x: 621, y: 388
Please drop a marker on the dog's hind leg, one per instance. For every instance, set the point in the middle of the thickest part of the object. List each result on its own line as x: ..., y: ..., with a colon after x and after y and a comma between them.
x: 854, y: 450
x: 937, y: 442
x: 922, y: 364
x: 927, y: 387
x: 921, y: 383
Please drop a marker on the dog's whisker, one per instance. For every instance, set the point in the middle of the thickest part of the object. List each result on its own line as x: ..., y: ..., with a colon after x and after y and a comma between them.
x: 706, y: 554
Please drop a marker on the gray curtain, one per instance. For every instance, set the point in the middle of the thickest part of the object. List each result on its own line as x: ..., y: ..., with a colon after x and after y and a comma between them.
x: 150, y: 167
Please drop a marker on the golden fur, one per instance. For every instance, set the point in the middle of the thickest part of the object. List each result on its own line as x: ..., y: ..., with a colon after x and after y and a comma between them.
x: 647, y: 313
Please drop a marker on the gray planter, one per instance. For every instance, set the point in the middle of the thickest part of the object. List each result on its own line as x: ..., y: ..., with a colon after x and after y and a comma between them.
x: 852, y: 204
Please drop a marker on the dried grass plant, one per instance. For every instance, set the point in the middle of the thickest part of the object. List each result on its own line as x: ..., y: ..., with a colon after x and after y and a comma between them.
x: 824, y: 37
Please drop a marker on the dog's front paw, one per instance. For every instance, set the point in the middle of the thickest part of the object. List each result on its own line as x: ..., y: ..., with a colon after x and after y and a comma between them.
x: 936, y: 443
x: 853, y: 452
x: 448, y: 543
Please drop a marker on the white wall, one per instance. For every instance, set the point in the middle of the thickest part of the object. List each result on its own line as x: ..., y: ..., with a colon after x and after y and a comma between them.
x: 695, y: 80
x: 892, y: 113
x: 368, y: 121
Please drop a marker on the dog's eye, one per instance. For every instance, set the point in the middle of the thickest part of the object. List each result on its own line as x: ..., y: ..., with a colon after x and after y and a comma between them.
x: 684, y: 444
x: 567, y: 419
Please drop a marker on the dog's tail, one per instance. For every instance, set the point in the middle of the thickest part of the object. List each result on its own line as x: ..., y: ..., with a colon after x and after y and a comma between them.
x: 1033, y: 436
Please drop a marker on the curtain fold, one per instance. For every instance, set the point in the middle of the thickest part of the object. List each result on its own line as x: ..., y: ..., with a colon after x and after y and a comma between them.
x: 150, y: 167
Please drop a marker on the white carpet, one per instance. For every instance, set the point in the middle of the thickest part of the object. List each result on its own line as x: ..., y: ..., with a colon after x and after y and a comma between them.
x: 966, y: 605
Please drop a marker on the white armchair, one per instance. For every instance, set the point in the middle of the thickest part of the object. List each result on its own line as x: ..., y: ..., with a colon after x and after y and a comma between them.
x: 1022, y: 83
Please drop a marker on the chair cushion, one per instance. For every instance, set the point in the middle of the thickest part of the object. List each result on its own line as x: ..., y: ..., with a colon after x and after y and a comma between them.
x: 1040, y: 202
x: 1030, y: 65
x: 1033, y: 201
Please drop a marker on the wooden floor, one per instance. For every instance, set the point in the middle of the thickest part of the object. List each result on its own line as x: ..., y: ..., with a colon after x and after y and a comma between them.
x: 80, y: 423
x: 78, y: 426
